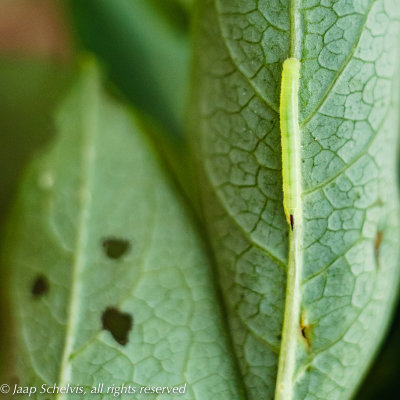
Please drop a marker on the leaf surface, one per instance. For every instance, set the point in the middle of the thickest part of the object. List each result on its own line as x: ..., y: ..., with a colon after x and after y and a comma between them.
x: 109, y: 281
x: 349, y: 201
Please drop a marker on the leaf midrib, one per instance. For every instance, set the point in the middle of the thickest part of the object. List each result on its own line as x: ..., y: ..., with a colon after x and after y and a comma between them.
x: 90, y: 111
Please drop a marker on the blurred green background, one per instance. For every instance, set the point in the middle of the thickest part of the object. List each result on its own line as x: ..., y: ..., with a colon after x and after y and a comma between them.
x: 144, y: 45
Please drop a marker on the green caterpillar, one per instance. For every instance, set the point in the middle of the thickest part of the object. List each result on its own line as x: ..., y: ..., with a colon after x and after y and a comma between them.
x: 290, y: 139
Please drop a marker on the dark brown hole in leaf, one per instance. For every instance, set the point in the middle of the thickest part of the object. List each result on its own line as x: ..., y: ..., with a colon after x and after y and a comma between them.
x: 115, y: 248
x: 40, y: 287
x: 377, y: 245
x: 118, y: 324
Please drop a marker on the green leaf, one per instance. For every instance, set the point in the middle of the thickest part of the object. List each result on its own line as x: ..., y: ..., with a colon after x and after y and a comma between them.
x: 147, y: 56
x: 319, y: 319
x: 108, y: 280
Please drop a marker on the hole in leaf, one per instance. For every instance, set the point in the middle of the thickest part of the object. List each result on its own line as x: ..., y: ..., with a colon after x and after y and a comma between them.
x: 40, y: 287
x: 115, y: 248
x: 377, y: 245
x: 118, y: 324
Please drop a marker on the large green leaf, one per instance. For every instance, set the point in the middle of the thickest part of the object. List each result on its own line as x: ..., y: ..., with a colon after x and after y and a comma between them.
x: 108, y: 280
x: 320, y: 330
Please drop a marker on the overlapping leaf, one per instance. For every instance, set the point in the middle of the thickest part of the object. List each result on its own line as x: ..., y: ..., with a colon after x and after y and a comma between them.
x: 109, y: 282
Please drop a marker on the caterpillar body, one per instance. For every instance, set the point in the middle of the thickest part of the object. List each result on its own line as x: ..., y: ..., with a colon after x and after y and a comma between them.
x: 290, y: 140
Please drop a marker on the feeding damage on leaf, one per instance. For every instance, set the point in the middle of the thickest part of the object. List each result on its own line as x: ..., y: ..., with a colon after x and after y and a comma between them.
x: 40, y: 286
x: 116, y: 248
x: 305, y: 330
x: 119, y: 324
x: 377, y: 246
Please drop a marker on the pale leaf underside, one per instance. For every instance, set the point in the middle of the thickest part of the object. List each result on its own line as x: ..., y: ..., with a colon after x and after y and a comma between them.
x: 109, y: 280
x: 348, y: 124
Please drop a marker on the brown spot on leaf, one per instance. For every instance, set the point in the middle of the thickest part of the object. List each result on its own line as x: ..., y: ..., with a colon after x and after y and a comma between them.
x: 291, y: 221
x: 305, y: 330
x: 377, y: 245
x: 40, y: 286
